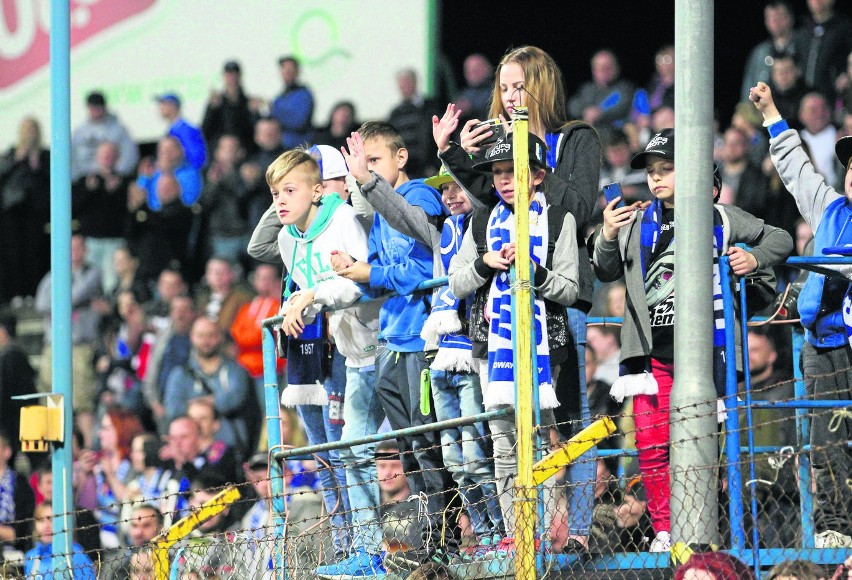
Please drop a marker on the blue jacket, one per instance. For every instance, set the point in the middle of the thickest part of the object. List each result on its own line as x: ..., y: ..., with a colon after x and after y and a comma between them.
x: 188, y: 177
x: 400, y: 263
x: 294, y: 109
x: 828, y: 213
x: 38, y: 563
x: 821, y: 299
x: 194, y: 149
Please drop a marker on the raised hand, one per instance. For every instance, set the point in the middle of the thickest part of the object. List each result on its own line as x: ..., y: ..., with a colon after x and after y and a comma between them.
x: 443, y: 128
x: 356, y: 158
x: 761, y: 96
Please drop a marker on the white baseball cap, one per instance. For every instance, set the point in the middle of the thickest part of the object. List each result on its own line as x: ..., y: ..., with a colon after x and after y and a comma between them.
x: 331, y: 162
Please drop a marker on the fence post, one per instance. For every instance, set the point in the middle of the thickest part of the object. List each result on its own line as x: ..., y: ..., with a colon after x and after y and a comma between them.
x: 732, y: 421
x: 525, y: 491
x: 803, y: 428
x: 60, y: 277
x: 273, y: 435
x: 694, y: 450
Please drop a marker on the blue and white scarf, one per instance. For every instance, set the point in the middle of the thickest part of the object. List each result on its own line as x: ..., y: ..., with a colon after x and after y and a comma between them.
x: 443, y: 325
x: 635, y: 376
x: 304, y: 367
x: 501, y: 356
x: 7, y: 496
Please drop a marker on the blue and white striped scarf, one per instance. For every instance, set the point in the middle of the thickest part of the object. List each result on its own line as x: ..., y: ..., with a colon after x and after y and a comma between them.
x: 454, y: 348
x: 501, y: 356
x: 635, y: 376
x: 7, y: 496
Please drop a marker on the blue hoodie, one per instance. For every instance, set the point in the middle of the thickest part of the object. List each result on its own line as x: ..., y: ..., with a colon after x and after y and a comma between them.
x: 400, y: 263
x: 39, y: 563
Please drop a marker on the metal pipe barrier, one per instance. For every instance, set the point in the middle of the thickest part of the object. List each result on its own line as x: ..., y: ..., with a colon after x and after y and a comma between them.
x: 734, y: 452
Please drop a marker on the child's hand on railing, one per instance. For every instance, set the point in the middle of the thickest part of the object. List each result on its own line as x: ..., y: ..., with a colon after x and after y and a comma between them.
x: 340, y: 260
x: 359, y: 272
x: 293, y: 325
x: 742, y: 262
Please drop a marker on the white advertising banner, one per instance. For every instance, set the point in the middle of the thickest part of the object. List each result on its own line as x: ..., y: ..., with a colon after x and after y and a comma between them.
x: 133, y: 50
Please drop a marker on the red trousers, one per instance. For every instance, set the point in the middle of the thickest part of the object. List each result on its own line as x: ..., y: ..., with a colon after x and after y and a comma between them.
x: 651, y: 417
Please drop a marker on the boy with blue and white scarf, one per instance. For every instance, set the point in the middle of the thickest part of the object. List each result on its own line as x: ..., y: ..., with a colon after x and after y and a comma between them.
x: 555, y: 279
x: 637, y: 242
x: 456, y: 388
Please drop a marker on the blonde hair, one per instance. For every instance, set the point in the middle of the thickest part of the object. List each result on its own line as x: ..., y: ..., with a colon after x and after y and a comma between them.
x: 382, y: 130
x: 543, y: 84
x: 290, y: 160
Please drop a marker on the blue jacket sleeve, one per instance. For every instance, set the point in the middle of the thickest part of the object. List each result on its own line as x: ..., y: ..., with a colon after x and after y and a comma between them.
x: 189, y: 180
x: 231, y: 397
x: 404, y: 272
x: 403, y: 278
x: 174, y: 395
x: 193, y: 143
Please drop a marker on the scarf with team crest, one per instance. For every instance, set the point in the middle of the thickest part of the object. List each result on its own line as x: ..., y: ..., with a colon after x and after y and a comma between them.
x: 501, y: 355
x: 635, y: 376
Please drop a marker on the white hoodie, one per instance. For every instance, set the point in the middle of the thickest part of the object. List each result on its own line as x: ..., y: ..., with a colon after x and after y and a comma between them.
x: 308, y: 260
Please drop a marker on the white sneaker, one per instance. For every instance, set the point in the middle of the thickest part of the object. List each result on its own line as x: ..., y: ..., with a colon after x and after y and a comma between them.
x: 661, y: 543
x: 832, y: 539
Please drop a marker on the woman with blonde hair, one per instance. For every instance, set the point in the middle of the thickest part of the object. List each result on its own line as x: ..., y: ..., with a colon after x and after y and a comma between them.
x: 528, y: 76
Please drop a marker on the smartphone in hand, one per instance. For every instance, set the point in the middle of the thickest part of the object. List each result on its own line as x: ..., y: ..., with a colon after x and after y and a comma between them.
x: 611, y: 191
x: 496, y: 127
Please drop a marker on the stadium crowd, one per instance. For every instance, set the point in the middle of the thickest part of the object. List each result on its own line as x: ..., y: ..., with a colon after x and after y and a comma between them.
x: 177, y: 257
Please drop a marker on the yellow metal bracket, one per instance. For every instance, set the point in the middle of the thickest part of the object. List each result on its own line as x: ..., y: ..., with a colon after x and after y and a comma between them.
x: 41, y: 424
x: 572, y: 449
x: 183, y: 527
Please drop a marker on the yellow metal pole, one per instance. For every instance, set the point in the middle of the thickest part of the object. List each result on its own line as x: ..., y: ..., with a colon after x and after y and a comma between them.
x: 183, y: 527
x: 525, y: 492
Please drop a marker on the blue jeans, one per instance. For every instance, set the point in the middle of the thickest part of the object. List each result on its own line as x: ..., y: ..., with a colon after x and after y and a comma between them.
x: 466, y: 451
x: 364, y: 415
x: 324, y: 424
x: 581, y: 475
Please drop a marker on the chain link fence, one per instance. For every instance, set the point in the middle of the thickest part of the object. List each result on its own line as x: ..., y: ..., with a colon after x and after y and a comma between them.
x: 242, y: 540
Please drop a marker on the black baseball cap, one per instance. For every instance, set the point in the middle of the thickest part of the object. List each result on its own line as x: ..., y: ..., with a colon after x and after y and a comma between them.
x: 502, y: 150
x: 96, y: 98
x: 843, y: 150
x: 661, y: 145
x: 231, y: 66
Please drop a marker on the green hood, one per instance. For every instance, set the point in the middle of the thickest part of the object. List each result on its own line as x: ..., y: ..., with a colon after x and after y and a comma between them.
x: 328, y: 205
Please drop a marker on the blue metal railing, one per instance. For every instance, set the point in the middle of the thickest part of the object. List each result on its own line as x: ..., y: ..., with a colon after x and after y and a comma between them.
x: 732, y: 450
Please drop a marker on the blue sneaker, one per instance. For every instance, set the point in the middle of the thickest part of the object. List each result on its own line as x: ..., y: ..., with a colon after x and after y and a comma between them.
x: 358, y: 565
